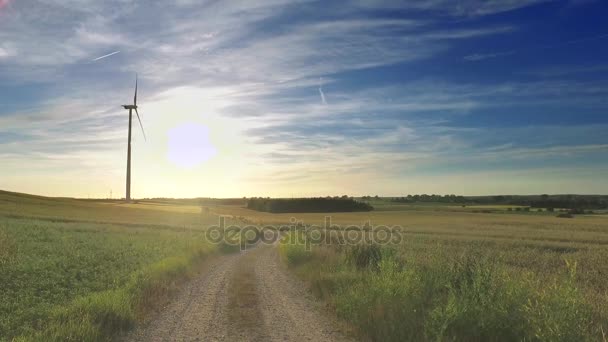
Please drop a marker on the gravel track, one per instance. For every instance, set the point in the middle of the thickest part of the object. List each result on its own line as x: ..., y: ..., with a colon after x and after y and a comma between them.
x: 247, y: 296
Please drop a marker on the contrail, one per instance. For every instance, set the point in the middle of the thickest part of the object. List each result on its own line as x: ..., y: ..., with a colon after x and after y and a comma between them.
x: 322, y: 96
x: 104, y: 56
x: 321, y: 93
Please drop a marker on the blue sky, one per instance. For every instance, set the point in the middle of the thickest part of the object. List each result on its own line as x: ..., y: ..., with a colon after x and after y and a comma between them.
x: 305, y: 98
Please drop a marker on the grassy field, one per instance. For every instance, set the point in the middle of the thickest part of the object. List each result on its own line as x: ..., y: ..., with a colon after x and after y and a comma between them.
x: 84, y: 270
x: 466, y: 276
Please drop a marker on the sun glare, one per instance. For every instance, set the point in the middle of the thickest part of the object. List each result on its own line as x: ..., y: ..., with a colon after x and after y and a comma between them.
x: 189, y: 145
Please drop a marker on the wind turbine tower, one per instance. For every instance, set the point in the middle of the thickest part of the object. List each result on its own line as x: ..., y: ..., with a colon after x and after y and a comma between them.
x: 131, y: 108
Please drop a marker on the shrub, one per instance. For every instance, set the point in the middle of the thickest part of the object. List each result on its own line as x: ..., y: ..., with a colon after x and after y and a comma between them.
x: 364, y: 255
x: 293, y: 248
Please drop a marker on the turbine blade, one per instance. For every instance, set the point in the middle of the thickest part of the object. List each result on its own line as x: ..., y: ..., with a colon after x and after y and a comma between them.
x: 141, y: 125
x: 135, y: 97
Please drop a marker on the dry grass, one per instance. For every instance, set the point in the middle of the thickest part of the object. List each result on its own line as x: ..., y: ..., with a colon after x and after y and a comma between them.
x: 531, y: 252
x: 244, y: 301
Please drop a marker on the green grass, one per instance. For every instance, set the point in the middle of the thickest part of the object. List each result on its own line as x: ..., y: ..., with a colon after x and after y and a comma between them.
x: 88, y: 281
x: 442, y: 291
x: 101, y: 315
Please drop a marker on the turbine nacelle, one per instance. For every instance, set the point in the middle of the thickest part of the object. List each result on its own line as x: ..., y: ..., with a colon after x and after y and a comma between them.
x: 134, y: 107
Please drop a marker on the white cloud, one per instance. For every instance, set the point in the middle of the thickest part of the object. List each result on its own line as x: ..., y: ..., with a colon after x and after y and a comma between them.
x: 7, y: 51
x: 451, y: 7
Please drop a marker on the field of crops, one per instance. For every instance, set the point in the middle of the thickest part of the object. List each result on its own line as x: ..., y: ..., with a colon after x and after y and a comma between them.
x: 84, y: 269
x: 466, y: 276
x: 69, y: 270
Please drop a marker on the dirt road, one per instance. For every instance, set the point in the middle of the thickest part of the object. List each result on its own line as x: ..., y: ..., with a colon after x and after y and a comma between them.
x: 241, y: 297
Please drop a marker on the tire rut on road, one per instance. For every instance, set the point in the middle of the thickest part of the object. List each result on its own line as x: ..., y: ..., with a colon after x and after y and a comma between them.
x: 199, y: 311
x: 287, y: 308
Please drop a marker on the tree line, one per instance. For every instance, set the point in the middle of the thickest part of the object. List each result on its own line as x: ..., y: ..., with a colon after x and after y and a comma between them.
x: 307, y: 205
x: 534, y: 201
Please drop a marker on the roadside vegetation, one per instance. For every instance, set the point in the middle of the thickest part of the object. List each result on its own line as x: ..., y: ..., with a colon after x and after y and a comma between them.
x: 438, y: 289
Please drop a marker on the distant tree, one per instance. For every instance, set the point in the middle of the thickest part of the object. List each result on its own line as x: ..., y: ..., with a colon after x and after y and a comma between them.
x: 302, y: 205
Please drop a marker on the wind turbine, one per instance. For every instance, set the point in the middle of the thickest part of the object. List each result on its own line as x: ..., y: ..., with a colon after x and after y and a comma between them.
x: 131, y: 108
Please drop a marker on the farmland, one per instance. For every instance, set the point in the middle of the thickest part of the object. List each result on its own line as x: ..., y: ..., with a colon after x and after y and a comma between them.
x: 434, y: 283
x: 64, y: 260
x: 89, y: 269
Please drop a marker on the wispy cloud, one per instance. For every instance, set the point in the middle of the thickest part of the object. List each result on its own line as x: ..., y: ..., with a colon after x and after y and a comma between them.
x: 569, y: 70
x: 479, y: 57
x: 454, y: 8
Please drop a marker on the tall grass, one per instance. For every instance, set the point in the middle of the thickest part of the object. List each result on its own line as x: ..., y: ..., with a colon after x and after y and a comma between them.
x: 437, y: 297
x: 101, y: 316
x: 87, y: 282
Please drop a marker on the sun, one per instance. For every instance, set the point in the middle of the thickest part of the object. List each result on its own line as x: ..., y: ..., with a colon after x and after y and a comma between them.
x: 189, y: 145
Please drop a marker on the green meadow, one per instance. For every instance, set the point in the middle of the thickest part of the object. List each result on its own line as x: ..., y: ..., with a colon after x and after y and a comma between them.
x: 68, y: 275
